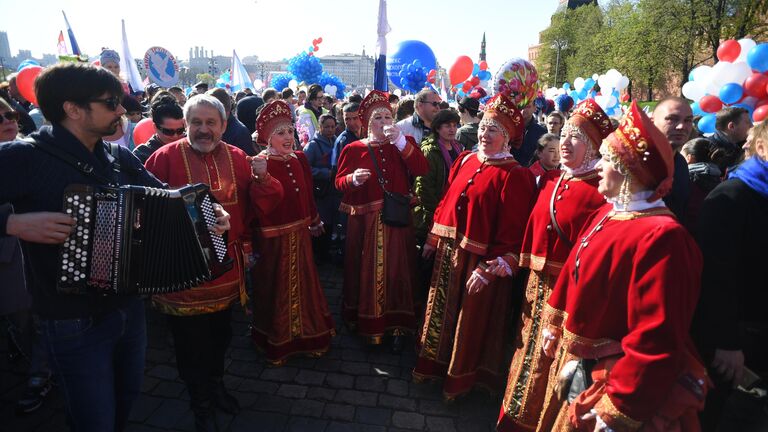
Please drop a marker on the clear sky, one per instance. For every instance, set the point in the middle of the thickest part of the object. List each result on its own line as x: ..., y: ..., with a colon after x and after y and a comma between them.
x: 277, y: 29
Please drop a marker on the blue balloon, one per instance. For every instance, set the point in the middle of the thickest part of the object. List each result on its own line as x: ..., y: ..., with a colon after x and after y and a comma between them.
x: 589, y: 83
x: 697, y: 109
x: 745, y: 106
x: 475, y: 69
x: 707, y: 123
x: 757, y: 57
x: 731, y: 93
x: 567, y: 86
x: 405, y: 53
x: 574, y: 95
x: 690, y: 75
x: 484, y: 75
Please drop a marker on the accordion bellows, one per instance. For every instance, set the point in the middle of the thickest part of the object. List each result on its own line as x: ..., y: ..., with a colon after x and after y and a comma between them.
x: 140, y: 240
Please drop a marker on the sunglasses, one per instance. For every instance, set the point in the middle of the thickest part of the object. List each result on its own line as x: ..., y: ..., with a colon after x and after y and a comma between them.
x: 172, y: 132
x: 10, y: 116
x: 435, y: 104
x: 111, y: 103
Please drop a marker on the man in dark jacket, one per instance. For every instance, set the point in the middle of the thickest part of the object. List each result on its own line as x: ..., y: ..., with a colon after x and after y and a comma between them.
x: 533, y: 131
x: 674, y: 118
x: 236, y: 133
x: 168, y: 120
x: 732, y: 124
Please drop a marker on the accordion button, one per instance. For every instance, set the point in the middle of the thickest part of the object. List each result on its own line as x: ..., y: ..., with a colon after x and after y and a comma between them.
x: 63, y: 278
x: 297, y: 189
x: 69, y: 199
x: 293, y: 181
x: 383, y: 159
x: 290, y: 174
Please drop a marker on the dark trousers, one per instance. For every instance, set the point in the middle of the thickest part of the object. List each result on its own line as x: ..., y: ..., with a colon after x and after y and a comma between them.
x: 201, y: 342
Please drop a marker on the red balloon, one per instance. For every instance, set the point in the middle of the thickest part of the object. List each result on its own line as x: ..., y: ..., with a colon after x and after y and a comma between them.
x: 466, y: 86
x: 760, y: 113
x: 461, y: 69
x: 25, y: 81
x: 756, y: 86
x: 143, y: 131
x: 475, y: 81
x: 728, y: 51
x: 483, y: 65
x: 625, y: 97
x: 710, y: 104
x: 762, y: 102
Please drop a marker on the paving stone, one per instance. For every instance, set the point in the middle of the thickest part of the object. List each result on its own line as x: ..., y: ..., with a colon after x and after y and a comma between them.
x: 302, y: 362
x: 244, y: 354
x: 308, y: 377
x: 397, y: 387
x: 440, y: 424
x: 321, y: 393
x: 474, y: 425
x: 250, y: 421
x: 303, y: 424
x: 438, y: 408
x: 292, y: 391
x: 356, y: 397
x: 307, y: 408
x: 398, y: 403
x: 351, y: 427
x: 379, y: 358
x: 279, y: 374
x: 337, y: 380
x: 408, y: 420
x: 273, y: 403
x: 374, y: 416
x: 428, y: 390
x: 386, y: 370
x: 355, y: 368
x: 168, y: 414
x: 148, y: 384
x: 246, y: 400
x: 328, y: 365
x: 245, y: 369
x: 370, y: 383
x: 339, y: 412
x: 353, y: 355
x: 165, y: 372
x: 258, y: 386
x: 168, y: 389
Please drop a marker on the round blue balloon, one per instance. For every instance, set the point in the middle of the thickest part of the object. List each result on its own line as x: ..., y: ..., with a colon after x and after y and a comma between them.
x: 757, y: 57
x: 697, y: 109
x: 405, y: 53
x: 707, y: 123
x: 731, y: 93
x: 745, y: 106
x: 567, y: 86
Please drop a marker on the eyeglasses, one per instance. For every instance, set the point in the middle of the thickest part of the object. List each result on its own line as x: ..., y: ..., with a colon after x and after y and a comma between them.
x: 435, y: 104
x: 111, y: 103
x: 172, y: 132
x: 10, y: 116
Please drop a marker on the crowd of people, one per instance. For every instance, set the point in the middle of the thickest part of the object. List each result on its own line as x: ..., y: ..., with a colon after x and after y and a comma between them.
x: 599, y: 273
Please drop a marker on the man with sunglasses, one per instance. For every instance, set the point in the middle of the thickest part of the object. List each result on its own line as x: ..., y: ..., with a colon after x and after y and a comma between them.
x: 96, y: 343
x: 168, y: 119
x: 427, y: 104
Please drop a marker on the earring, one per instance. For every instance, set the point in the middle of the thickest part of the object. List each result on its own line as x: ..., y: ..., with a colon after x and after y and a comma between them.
x: 625, y: 193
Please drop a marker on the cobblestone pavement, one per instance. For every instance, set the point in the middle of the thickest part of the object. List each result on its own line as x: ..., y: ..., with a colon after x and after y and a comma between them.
x: 351, y: 388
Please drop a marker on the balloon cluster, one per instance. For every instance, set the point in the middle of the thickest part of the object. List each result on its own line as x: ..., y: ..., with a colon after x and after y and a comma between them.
x: 332, y: 85
x: 475, y: 76
x: 413, y: 76
x: 315, y: 46
x: 25, y: 79
x: 406, y: 52
x: 224, y: 79
x: 305, y: 68
x: 739, y: 79
x: 280, y: 81
x: 518, y: 80
x: 609, y: 97
x: 564, y: 103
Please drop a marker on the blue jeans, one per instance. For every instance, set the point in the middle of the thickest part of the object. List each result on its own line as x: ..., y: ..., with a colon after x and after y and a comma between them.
x: 99, y: 365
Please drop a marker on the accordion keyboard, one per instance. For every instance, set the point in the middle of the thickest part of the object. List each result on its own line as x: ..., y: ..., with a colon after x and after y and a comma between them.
x: 219, y: 245
x: 74, y: 261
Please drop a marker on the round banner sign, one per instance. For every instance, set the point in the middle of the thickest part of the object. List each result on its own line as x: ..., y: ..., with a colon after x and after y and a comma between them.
x: 162, y: 68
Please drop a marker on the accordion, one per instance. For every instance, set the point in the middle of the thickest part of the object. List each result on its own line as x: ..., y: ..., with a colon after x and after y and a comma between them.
x: 140, y: 240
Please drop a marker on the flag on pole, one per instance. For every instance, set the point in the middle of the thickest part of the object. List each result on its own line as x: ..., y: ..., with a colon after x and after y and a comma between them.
x: 238, y: 78
x: 62, y: 46
x: 128, y: 65
x: 380, y: 79
x: 72, y: 41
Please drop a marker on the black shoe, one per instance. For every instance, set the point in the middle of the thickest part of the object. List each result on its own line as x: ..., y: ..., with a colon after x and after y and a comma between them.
x: 397, y: 344
x: 205, y: 416
x: 223, y: 400
x: 37, y: 388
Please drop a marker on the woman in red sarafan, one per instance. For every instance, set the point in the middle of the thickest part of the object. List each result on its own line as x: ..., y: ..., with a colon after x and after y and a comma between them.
x: 566, y: 200
x: 380, y: 260
x: 476, y: 235
x: 290, y: 310
x: 622, y: 307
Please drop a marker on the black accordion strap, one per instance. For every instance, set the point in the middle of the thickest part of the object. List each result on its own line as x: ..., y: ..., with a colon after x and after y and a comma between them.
x: 81, y: 166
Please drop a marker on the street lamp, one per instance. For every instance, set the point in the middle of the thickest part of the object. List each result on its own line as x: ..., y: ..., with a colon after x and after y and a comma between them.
x: 559, y: 45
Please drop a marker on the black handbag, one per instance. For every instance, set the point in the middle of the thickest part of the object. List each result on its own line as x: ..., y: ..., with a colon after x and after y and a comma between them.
x: 396, y: 211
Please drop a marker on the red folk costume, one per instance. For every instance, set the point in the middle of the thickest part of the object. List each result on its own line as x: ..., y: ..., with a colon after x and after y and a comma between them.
x: 228, y: 173
x: 380, y: 260
x: 565, y: 202
x: 481, y: 217
x: 626, y: 297
x: 291, y: 313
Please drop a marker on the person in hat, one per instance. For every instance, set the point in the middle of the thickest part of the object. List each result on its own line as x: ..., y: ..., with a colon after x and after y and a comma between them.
x: 476, y: 238
x: 291, y: 313
x: 201, y: 87
x: 469, y: 110
x: 622, y: 308
x: 566, y: 200
x: 380, y: 259
x: 110, y: 60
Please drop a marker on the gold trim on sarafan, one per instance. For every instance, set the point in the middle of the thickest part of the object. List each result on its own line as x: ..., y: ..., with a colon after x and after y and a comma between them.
x: 608, y: 411
x: 438, y: 298
x: 380, y: 270
x: 278, y: 230
x: 631, y: 215
x: 464, y: 242
x: 294, y: 282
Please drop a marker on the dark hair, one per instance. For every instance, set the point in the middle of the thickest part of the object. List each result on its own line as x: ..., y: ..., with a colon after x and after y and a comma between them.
x: 393, y: 98
x: 422, y: 95
x: 444, y: 116
x: 325, y: 117
x: 165, y: 107
x: 545, y: 139
x: 286, y: 93
x: 699, y: 148
x: 355, y: 98
x: 351, y: 107
x: 405, y: 108
x: 175, y: 89
x: 268, y: 94
x: 72, y: 82
x: 314, y: 89
x: 223, y: 97
x: 559, y: 115
x: 728, y: 115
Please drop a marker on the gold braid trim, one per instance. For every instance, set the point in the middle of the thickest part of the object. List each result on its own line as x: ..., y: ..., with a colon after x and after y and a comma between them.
x: 614, y: 418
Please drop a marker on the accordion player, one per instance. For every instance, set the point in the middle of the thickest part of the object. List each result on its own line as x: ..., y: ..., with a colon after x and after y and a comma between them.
x: 140, y: 240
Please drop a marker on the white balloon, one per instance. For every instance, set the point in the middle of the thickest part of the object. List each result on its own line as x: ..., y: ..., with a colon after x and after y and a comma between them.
x: 623, y: 83
x: 293, y: 85
x: 746, y: 45
x: 701, y: 73
x: 741, y: 71
x: 722, y: 73
x: 604, y: 82
x: 595, y: 77
x: 578, y: 84
x: 694, y: 90
x: 603, y: 100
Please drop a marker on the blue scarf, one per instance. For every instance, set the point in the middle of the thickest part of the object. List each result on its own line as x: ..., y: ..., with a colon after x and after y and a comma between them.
x: 754, y: 173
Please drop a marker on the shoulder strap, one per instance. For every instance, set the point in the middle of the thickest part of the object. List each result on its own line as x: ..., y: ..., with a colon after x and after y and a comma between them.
x: 81, y: 166
x: 379, y: 174
x: 552, y: 217
x: 114, y: 149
